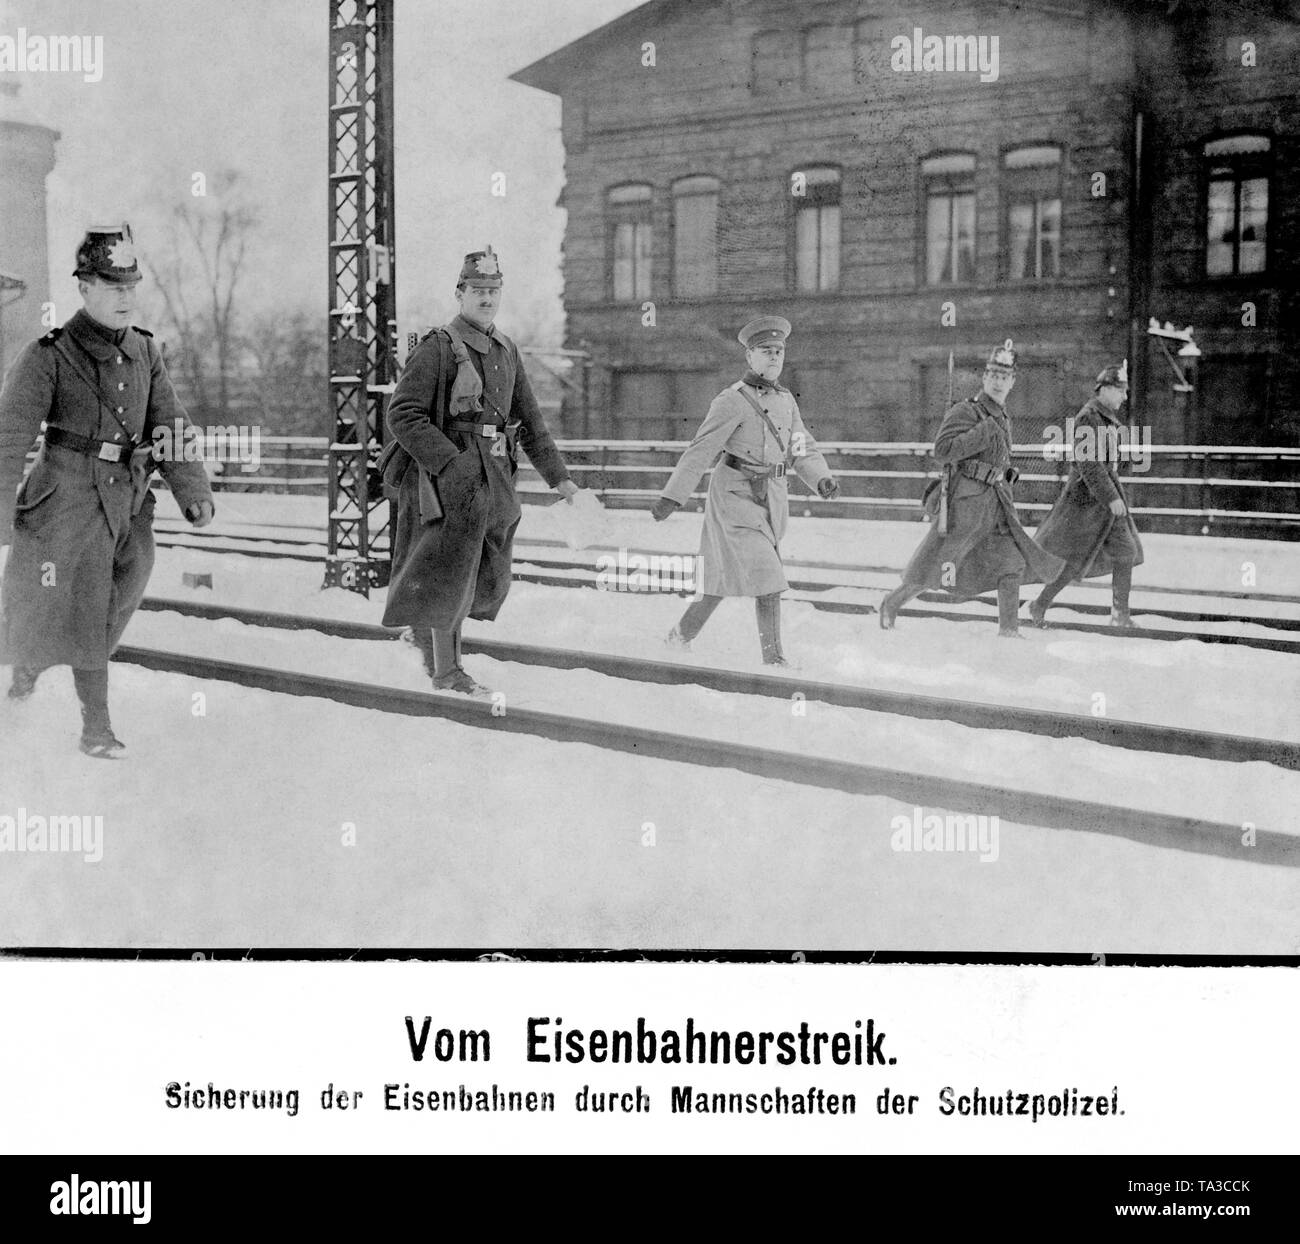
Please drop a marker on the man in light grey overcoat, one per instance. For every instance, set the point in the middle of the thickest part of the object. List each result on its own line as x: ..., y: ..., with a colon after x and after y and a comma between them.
x: 756, y: 427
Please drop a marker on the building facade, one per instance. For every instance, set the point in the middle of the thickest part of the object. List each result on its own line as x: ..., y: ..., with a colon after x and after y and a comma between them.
x: 26, y: 159
x: 1057, y: 173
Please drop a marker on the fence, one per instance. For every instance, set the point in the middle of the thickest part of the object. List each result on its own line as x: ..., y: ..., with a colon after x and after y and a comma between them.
x: 1224, y: 489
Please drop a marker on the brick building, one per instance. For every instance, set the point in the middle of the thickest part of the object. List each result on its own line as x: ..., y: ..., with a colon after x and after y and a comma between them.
x: 1127, y: 161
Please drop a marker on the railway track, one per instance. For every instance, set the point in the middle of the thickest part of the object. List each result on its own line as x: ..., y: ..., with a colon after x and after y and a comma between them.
x: 790, y: 563
x: 959, y: 796
x: 1133, y: 736
x: 582, y: 576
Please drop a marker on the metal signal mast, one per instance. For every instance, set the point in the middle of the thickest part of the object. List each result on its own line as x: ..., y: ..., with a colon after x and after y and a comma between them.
x: 362, y: 301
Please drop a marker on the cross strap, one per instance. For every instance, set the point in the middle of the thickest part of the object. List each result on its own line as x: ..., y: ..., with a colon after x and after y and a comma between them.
x: 740, y: 388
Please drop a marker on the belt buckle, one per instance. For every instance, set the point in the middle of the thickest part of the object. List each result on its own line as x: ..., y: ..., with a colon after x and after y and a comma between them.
x: 489, y: 430
x: 109, y: 452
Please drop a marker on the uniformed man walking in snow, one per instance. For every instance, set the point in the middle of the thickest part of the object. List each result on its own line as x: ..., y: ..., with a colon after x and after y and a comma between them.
x: 81, y: 525
x: 976, y: 541
x: 1090, y: 525
x: 462, y: 405
x: 756, y: 427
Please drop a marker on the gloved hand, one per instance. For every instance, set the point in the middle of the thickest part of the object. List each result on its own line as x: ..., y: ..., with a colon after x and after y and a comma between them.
x: 199, y: 513
x: 1117, y: 507
x: 828, y: 489
x: 662, y: 508
x: 567, y: 489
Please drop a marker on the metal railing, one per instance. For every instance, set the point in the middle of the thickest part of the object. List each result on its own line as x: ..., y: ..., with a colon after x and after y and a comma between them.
x: 1227, y: 488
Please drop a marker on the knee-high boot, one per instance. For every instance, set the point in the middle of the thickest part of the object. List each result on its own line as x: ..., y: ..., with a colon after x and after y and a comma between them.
x: 1121, y: 583
x: 893, y: 602
x: 97, y: 737
x: 1009, y: 606
x: 768, y: 610
x: 1038, y: 608
x: 439, y: 649
x: 698, y: 612
x: 446, y: 651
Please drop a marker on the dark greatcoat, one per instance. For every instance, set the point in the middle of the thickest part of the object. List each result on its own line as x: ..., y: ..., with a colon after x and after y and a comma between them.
x: 985, y: 540
x: 459, y: 565
x: 81, y: 527
x: 1075, y: 525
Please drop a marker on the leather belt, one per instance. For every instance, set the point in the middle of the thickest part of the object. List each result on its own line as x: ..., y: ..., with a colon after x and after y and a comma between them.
x: 757, y: 470
x: 489, y: 431
x: 107, y: 451
x: 984, y: 472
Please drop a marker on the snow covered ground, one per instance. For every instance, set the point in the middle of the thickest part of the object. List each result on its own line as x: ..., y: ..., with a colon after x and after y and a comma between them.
x: 268, y: 821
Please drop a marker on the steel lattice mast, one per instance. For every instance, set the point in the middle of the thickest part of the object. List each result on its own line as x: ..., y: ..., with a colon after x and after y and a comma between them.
x: 362, y: 315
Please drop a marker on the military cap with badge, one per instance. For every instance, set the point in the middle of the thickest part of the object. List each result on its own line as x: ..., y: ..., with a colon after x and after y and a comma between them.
x: 762, y: 330
x: 1113, y: 375
x: 480, y: 268
x: 1003, y: 358
x: 108, y: 252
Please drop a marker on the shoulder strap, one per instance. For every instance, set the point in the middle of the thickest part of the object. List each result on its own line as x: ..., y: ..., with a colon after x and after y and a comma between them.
x: 744, y: 392
x: 441, y: 399
x: 458, y: 351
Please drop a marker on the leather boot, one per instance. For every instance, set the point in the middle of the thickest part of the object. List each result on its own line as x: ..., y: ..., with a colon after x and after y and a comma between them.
x: 422, y: 638
x: 768, y: 610
x: 698, y: 612
x: 892, y: 603
x: 1009, y: 607
x: 1121, y: 584
x: 1038, y: 608
x: 24, y: 681
x: 448, y: 673
x: 97, y: 737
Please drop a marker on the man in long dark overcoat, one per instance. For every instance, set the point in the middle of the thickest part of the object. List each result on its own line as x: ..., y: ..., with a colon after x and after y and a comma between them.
x: 81, y: 524
x: 976, y: 541
x: 1090, y: 525
x: 461, y: 407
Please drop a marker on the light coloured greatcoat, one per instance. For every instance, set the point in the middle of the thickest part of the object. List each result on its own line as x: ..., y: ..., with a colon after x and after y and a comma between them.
x: 740, y: 545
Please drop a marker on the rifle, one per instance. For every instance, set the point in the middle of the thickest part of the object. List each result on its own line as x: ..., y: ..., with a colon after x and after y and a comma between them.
x: 942, y: 521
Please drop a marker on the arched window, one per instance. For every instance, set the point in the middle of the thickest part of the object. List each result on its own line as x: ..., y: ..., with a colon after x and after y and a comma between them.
x: 695, y: 237
x: 1031, y: 197
x: 815, y: 192
x: 1238, y: 169
x: 948, y: 190
x: 631, y: 241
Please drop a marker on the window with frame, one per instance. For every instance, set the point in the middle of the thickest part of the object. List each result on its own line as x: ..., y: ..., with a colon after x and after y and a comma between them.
x: 816, y: 195
x: 1238, y: 171
x: 1032, y: 213
x: 871, y: 48
x: 631, y: 243
x: 948, y: 188
x: 773, y: 63
x: 695, y: 237
x: 826, y: 58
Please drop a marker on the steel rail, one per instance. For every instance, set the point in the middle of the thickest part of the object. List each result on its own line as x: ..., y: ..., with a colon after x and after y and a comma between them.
x: 1130, y: 735
x: 967, y: 798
